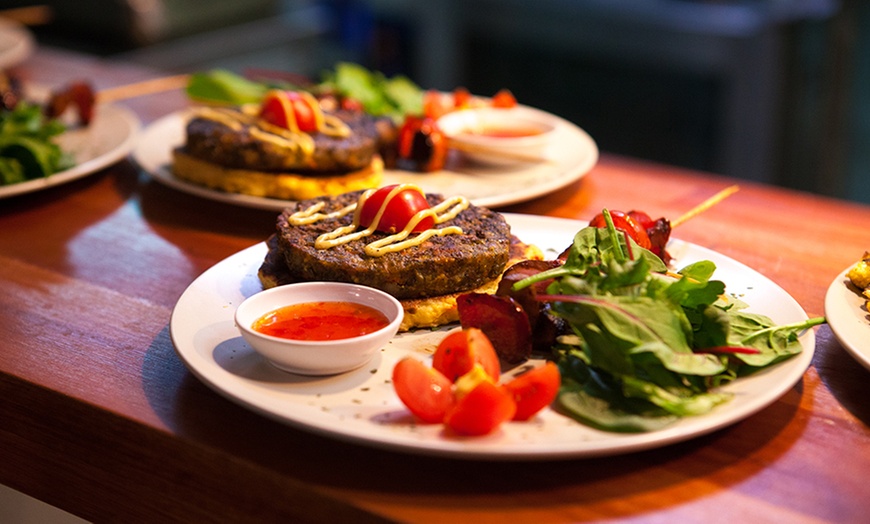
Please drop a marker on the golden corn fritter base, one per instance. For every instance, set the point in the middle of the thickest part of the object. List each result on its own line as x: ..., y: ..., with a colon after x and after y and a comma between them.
x: 285, y: 186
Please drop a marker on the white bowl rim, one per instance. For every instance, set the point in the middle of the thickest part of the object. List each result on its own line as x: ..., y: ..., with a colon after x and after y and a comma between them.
x: 287, y: 288
x: 519, y: 113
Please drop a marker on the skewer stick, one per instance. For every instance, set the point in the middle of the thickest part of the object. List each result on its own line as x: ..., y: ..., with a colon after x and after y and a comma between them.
x: 705, y: 205
x: 147, y: 87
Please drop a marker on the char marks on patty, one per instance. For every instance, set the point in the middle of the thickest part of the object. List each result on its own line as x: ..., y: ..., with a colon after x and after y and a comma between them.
x: 442, y: 265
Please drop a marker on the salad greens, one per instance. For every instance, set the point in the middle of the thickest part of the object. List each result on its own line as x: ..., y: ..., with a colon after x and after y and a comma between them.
x: 27, y: 150
x: 379, y: 95
x: 648, y: 346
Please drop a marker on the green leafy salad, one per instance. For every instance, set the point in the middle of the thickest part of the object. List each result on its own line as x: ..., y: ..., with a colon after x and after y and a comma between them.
x: 379, y: 95
x: 27, y: 148
x: 648, y: 346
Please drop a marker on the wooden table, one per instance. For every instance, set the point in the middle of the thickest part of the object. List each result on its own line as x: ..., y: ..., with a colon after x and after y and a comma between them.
x: 98, y: 415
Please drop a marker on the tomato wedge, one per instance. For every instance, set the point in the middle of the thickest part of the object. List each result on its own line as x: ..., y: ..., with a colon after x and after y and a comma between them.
x: 461, y: 98
x: 504, y: 99
x: 424, y: 390
x: 399, y: 210
x: 624, y: 222
x: 283, y: 108
x: 534, y: 390
x: 481, y: 411
x: 460, y: 350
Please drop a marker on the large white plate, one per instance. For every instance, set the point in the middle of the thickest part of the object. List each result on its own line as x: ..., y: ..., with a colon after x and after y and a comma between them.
x: 361, y: 406
x: 571, y: 155
x: 109, y: 138
x: 848, y: 317
x: 16, y: 43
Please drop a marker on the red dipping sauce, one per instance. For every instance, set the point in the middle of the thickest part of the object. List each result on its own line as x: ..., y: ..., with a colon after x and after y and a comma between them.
x: 508, y: 132
x: 321, y: 321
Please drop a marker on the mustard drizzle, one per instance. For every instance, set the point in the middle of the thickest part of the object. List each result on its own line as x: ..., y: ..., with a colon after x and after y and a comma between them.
x: 440, y: 213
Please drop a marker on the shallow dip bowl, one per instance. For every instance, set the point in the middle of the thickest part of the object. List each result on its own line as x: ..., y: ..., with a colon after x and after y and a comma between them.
x: 317, y: 357
x: 499, y: 136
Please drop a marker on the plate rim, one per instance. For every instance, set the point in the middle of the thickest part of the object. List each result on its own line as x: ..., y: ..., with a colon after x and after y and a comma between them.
x: 91, y: 165
x: 477, y: 449
x: 837, y: 302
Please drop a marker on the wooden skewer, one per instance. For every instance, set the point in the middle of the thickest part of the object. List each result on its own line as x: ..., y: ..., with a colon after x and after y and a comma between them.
x: 705, y: 205
x: 147, y: 87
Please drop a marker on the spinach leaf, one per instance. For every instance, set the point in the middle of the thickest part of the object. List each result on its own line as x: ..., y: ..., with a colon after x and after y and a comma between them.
x: 27, y: 149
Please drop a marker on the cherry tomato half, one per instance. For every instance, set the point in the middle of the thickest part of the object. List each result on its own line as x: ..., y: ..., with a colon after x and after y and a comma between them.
x: 461, y: 98
x: 504, y: 98
x: 278, y: 105
x: 624, y: 222
x: 460, y: 350
x: 534, y: 390
x: 400, y: 209
x: 481, y: 411
x: 424, y: 390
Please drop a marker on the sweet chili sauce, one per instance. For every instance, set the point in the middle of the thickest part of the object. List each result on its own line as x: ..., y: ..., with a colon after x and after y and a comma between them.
x: 508, y: 132
x: 321, y: 321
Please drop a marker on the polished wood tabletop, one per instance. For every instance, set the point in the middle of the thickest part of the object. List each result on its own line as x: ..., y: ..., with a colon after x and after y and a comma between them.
x: 100, y: 417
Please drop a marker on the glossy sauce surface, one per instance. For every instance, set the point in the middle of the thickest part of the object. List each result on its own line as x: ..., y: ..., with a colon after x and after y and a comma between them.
x: 321, y: 321
x: 507, y: 132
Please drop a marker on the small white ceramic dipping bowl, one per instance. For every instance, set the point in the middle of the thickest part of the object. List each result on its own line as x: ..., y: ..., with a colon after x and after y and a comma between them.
x: 471, y: 130
x: 317, y: 357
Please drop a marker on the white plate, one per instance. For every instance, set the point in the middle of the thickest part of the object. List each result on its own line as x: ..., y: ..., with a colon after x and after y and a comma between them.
x: 109, y: 138
x: 571, y: 155
x: 16, y: 43
x: 362, y: 407
x: 847, y: 315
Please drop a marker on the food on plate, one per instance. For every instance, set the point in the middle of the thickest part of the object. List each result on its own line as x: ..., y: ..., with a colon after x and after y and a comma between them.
x: 404, y: 113
x: 422, y: 145
x: 645, y: 345
x: 648, y: 233
x: 285, y: 147
x: 27, y: 147
x: 78, y: 95
x: 464, y: 389
x: 423, y: 249
x: 859, y: 275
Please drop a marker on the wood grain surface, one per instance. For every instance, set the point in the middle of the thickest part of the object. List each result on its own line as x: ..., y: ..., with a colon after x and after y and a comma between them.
x: 99, y: 417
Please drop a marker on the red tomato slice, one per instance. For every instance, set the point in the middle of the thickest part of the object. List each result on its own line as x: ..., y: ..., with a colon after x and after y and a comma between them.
x: 504, y: 98
x: 481, y: 411
x: 278, y: 105
x: 643, y: 219
x: 626, y: 223
x: 399, y: 210
x: 534, y: 390
x: 275, y: 109
x: 461, y: 98
x: 306, y: 115
x: 459, y: 351
x: 424, y: 391
x: 433, y: 104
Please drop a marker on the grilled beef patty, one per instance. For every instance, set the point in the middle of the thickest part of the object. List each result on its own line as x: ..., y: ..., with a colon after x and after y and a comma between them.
x: 442, y: 265
x: 215, y: 142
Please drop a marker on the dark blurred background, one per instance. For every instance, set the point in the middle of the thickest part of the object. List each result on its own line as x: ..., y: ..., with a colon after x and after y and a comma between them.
x: 767, y: 90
